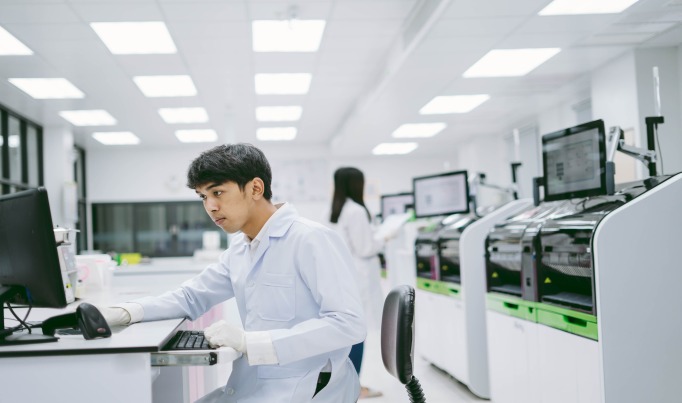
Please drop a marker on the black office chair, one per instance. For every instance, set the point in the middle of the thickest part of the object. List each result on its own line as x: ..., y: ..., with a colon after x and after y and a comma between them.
x: 397, y: 339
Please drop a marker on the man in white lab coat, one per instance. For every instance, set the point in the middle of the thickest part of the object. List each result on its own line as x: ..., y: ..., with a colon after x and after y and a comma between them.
x: 293, y: 283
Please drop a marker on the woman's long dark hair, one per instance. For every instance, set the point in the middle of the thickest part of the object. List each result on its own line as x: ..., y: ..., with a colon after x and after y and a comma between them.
x: 349, y: 183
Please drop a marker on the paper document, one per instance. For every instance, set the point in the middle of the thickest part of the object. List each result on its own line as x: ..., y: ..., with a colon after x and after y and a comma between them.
x: 391, y: 225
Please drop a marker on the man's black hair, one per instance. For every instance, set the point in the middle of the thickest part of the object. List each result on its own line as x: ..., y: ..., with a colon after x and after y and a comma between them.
x: 239, y: 163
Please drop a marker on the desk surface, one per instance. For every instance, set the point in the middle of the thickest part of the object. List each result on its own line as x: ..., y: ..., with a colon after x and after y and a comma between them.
x: 139, y: 337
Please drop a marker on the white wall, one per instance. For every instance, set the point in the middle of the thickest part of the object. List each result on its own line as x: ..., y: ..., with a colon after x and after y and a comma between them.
x: 58, y: 171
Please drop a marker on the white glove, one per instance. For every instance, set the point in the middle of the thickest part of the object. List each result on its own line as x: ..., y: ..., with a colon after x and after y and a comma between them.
x: 115, y: 316
x: 222, y: 334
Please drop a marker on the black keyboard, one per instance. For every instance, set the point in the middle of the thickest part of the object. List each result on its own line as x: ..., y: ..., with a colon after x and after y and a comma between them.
x: 188, y: 340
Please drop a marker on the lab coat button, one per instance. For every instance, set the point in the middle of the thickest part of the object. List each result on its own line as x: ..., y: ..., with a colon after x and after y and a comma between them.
x: 230, y: 391
x: 252, y: 283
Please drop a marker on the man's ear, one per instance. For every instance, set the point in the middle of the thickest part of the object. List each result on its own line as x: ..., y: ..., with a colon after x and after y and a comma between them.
x: 257, y: 188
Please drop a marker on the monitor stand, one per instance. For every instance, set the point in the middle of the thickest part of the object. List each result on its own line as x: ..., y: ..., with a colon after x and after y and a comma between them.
x: 7, y: 336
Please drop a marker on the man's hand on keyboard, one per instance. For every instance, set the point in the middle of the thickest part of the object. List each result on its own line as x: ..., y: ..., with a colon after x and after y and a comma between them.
x: 222, y: 334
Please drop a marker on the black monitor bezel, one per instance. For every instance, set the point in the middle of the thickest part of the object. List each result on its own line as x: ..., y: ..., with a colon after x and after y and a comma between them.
x: 597, y: 191
x: 45, y: 283
x: 451, y: 173
x: 383, y: 217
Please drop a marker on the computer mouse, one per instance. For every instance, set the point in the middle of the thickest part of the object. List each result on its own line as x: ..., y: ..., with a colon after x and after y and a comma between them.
x: 87, y: 318
x: 91, y: 322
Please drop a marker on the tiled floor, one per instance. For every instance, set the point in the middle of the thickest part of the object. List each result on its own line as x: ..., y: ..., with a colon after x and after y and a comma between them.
x: 438, y: 386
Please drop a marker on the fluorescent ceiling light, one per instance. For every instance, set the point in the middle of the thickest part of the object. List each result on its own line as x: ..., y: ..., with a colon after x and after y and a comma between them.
x: 453, y: 104
x: 572, y: 7
x: 13, y: 141
x: 116, y: 138
x: 47, y: 88
x: 394, y: 148
x: 283, y: 83
x: 197, y: 135
x: 135, y: 38
x: 11, y: 46
x: 166, y: 86
x: 510, y: 62
x: 418, y: 130
x: 278, y: 113
x: 276, y: 133
x: 95, y: 117
x: 184, y: 115
x: 287, y: 35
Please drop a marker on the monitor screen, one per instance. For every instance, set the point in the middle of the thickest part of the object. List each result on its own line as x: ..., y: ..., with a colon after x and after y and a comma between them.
x: 442, y: 194
x: 574, y: 162
x: 29, y: 262
x: 396, y: 204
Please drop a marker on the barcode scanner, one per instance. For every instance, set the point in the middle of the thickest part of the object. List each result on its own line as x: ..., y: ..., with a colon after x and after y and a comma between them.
x: 87, y: 318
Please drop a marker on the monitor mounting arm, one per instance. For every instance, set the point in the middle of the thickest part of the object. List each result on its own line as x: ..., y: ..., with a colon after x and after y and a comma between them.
x: 617, y: 143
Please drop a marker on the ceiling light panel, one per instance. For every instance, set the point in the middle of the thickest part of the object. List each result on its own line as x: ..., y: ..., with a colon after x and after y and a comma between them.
x: 573, y: 7
x: 278, y: 113
x: 418, y: 130
x: 183, y: 115
x: 510, y: 62
x: 116, y: 138
x: 166, y: 86
x: 11, y: 46
x: 287, y: 35
x: 453, y: 104
x: 280, y: 84
x: 276, y: 133
x: 197, y: 136
x: 135, y: 38
x: 95, y: 117
x: 394, y: 148
x: 47, y: 88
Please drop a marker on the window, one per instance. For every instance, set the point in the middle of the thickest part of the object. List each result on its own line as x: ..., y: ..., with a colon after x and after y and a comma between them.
x: 21, y: 153
x: 161, y: 229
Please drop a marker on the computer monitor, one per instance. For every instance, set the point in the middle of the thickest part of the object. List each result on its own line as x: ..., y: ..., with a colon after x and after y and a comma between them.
x: 396, y: 204
x: 30, y: 273
x: 443, y: 194
x: 574, y: 162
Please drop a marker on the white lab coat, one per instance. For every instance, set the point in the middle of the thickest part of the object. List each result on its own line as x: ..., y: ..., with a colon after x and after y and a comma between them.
x: 298, y: 287
x: 356, y: 230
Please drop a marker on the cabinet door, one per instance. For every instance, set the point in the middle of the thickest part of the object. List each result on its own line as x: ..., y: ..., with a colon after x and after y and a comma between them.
x: 454, y: 338
x: 569, y: 367
x: 513, y: 362
x: 426, y: 326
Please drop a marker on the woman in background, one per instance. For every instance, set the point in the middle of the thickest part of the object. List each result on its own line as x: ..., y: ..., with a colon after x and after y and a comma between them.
x: 352, y: 220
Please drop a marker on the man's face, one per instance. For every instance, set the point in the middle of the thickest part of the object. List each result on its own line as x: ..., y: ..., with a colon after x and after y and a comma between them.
x: 228, y: 206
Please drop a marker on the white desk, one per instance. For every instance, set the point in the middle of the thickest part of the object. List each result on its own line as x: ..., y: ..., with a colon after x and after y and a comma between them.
x: 111, y: 370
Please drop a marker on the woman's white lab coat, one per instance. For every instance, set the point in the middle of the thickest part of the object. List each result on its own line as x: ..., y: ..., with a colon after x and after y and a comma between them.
x: 356, y: 230
x: 299, y: 288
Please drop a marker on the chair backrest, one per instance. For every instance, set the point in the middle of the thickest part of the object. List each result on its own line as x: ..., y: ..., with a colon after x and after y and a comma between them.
x: 397, y: 333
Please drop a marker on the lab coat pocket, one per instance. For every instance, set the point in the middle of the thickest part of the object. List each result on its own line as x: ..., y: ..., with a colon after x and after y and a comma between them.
x: 276, y: 297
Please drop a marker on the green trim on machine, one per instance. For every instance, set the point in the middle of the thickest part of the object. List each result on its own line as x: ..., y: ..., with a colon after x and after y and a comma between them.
x: 427, y: 284
x: 579, y: 323
x: 453, y: 290
x: 383, y: 273
x: 512, y: 306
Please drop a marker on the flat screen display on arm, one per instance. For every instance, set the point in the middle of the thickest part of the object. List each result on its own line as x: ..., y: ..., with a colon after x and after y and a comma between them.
x: 442, y: 194
x: 574, y: 162
x: 396, y: 204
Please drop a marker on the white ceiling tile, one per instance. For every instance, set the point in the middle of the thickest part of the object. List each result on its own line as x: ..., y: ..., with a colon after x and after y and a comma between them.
x: 200, y: 11
x: 475, y: 26
x: 372, y: 10
x: 272, y: 10
x: 284, y: 62
x: 352, y: 29
x: 113, y: 12
x: 151, y: 65
x: 493, y: 8
x: 36, y: 13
